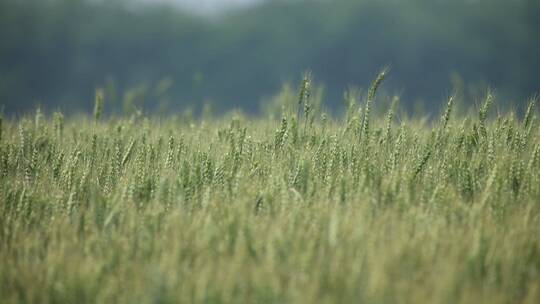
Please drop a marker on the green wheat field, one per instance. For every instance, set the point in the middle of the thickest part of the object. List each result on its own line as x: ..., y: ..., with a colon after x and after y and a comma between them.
x: 298, y: 206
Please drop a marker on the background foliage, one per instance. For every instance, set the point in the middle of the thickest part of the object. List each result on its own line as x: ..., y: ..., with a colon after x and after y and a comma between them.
x: 56, y: 52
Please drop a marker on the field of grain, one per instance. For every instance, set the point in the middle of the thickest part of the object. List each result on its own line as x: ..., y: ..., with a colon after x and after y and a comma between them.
x: 305, y: 207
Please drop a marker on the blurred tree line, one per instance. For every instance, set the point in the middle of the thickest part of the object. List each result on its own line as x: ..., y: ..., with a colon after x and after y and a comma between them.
x: 56, y: 52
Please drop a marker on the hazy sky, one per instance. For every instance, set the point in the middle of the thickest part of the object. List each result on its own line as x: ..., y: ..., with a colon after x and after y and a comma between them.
x: 205, y: 6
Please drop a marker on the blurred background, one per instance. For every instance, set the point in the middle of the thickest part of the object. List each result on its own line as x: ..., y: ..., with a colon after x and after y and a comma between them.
x: 170, y: 55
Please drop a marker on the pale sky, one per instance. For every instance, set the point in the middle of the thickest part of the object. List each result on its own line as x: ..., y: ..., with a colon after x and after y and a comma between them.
x: 206, y: 6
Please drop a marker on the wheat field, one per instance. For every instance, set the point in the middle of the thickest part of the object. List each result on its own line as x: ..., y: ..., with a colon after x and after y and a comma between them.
x: 298, y: 207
